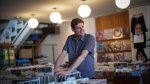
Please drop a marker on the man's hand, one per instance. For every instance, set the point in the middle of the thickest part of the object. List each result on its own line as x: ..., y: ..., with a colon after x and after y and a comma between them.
x: 62, y: 72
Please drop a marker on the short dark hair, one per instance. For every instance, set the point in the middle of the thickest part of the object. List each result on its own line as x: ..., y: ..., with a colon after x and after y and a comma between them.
x: 75, y: 21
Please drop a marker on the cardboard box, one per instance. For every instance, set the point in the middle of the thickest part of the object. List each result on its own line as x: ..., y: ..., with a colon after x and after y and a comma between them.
x: 26, y: 53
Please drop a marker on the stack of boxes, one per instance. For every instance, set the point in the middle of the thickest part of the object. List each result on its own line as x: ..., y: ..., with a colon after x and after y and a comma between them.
x: 7, y: 56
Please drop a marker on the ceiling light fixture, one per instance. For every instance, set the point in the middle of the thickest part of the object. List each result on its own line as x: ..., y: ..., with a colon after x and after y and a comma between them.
x: 122, y: 3
x: 33, y: 22
x: 55, y: 17
x: 84, y: 10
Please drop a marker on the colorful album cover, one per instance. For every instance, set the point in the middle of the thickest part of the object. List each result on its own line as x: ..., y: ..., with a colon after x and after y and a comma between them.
x: 109, y: 57
x: 128, y: 56
x: 107, y: 46
x: 11, y: 54
x: 108, y: 34
x: 118, y: 57
x: 99, y: 35
x: 141, y: 56
x: 117, y: 33
x: 100, y: 57
x: 100, y: 47
x: 126, y: 44
x: 126, y: 32
x: 116, y: 45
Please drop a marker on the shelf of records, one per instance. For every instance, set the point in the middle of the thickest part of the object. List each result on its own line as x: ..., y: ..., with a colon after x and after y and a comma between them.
x: 114, y: 46
x: 114, y: 57
x: 115, y: 33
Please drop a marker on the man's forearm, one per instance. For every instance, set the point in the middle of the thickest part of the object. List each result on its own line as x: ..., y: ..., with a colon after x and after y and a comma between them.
x: 59, y: 60
x: 75, y: 64
x: 78, y: 61
x: 57, y: 63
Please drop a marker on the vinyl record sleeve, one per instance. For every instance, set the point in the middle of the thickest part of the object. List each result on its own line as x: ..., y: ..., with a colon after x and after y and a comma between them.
x: 117, y: 33
x: 126, y: 44
x: 99, y: 35
x: 108, y: 34
x: 118, y: 57
x: 107, y: 45
x: 126, y: 32
x: 100, y: 47
x: 100, y: 57
x: 109, y: 57
x: 128, y: 56
x: 116, y: 45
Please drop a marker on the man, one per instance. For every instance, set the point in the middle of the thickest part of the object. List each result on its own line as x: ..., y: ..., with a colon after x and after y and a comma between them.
x: 80, y: 49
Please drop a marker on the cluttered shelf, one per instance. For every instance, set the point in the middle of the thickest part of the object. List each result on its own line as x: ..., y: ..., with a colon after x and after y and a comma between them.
x: 28, y: 54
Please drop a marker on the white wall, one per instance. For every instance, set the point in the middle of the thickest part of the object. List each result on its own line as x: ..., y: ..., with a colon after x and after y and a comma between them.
x: 146, y: 13
x: 60, y: 39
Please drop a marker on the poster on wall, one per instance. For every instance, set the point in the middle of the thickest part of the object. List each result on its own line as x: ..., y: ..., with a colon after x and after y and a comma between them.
x: 13, y: 28
x: 7, y: 35
x: 19, y: 24
x: 2, y: 38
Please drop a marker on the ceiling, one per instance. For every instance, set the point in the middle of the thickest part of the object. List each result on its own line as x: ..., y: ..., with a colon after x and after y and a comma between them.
x: 9, y: 9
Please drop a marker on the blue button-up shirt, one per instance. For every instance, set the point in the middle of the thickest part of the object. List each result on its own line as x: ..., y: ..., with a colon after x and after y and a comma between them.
x: 74, y: 48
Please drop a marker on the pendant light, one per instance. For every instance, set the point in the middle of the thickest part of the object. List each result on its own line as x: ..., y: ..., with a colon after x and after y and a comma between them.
x: 55, y: 17
x: 84, y: 10
x: 122, y: 3
x: 33, y: 22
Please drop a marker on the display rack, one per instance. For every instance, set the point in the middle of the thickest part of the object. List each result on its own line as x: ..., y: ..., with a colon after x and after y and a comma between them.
x: 7, y: 55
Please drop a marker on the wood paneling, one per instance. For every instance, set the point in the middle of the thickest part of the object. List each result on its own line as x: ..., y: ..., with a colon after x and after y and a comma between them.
x: 116, y: 20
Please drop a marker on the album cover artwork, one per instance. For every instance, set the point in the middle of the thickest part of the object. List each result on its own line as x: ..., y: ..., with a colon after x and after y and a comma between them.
x: 109, y: 57
x: 100, y: 47
x: 141, y: 56
x: 118, y: 57
x: 126, y: 32
x: 99, y: 35
x: 117, y: 33
x: 126, y: 44
x: 100, y: 57
x: 116, y: 45
x: 128, y: 56
x: 107, y: 46
x: 108, y: 34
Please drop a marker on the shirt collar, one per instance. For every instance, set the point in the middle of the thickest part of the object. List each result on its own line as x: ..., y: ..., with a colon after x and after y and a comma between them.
x: 82, y: 38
